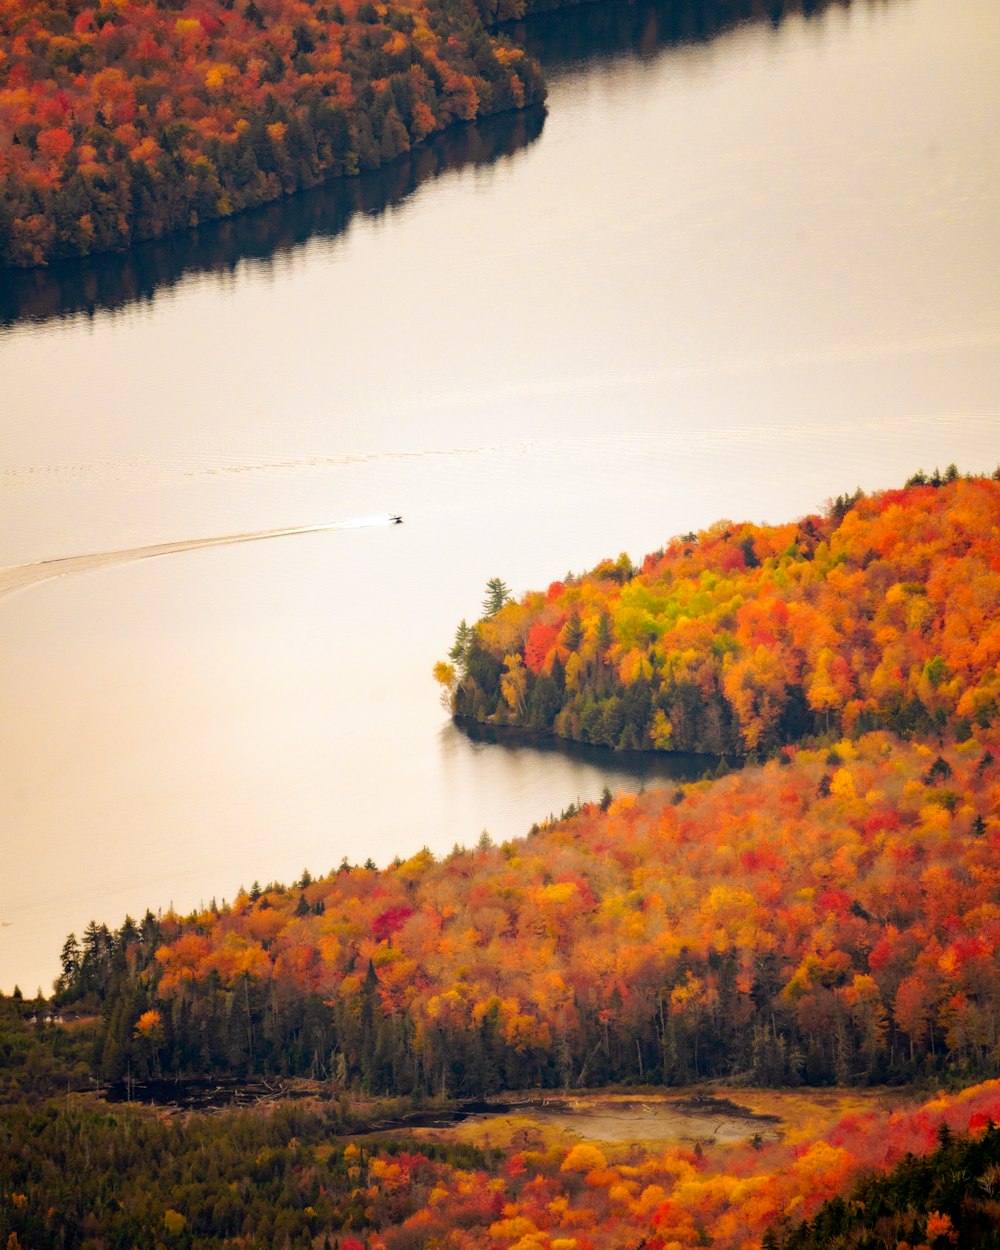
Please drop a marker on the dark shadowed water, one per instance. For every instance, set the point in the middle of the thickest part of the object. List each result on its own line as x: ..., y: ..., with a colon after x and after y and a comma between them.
x: 736, y: 270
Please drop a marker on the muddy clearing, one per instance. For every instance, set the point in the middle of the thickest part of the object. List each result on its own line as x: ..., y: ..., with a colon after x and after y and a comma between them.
x: 617, y: 1117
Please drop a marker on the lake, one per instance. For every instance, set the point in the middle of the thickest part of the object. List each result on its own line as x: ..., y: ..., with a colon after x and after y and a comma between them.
x: 731, y: 273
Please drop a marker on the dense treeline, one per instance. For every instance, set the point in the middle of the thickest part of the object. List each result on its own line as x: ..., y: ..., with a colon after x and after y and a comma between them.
x: 881, y: 613
x: 830, y: 917
x: 114, y: 282
x: 126, y: 121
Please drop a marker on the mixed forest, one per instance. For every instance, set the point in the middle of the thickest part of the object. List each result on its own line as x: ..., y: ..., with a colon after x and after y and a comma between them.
x: 821, y: 920
x: 878, y: 613
x: 128, y: 120
x: 831, y: 917
x: 84, y: 1175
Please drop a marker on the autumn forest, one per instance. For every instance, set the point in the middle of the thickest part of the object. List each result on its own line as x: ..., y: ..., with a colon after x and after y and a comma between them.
x: 550, y: 278
x: 124, y: 122
x: 127, y: 122
x: 812, y: 932
x: 742, y: 638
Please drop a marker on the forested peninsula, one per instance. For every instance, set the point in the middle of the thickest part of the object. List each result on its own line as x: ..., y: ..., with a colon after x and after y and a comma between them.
x: 877, y: 613
x: 125, y: 121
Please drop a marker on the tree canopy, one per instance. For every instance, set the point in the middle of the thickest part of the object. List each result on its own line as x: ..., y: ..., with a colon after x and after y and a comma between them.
x: 126, y: 121
x: 882, y: 612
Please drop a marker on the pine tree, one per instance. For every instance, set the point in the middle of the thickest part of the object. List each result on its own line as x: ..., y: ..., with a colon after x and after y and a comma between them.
x: 497, y: 594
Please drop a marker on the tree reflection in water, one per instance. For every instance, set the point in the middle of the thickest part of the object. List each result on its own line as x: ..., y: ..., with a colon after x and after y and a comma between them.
x: 113, y: 282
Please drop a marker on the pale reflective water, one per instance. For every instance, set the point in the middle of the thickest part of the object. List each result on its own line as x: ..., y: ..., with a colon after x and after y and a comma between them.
x: 730, y: 277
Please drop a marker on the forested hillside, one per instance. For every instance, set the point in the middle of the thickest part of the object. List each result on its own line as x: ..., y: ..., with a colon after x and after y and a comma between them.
x: 881, y: 612
x: 946, y: 1197
x: 124, y: 121
x: 833, y: 916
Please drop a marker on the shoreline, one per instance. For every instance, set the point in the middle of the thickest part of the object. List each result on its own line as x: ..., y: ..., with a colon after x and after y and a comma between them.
x: 673, y: 765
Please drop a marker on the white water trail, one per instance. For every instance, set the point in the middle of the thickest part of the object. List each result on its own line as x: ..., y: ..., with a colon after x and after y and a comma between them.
x: 20, y: 576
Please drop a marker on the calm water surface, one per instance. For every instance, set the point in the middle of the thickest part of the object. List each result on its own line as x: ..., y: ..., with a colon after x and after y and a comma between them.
x: 726, y: 277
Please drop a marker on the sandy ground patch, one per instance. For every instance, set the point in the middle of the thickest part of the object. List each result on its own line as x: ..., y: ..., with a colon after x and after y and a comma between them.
x: 690, y: 1116
x: 649, y: 1117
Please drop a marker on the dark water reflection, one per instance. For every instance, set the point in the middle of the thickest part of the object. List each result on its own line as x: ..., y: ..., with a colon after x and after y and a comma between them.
x: 568, y: 38
x: 645, y: 766
x: 113, y: 281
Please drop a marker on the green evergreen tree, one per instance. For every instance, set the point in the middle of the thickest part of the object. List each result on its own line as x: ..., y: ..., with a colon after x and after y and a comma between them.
x: 497, y: 594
